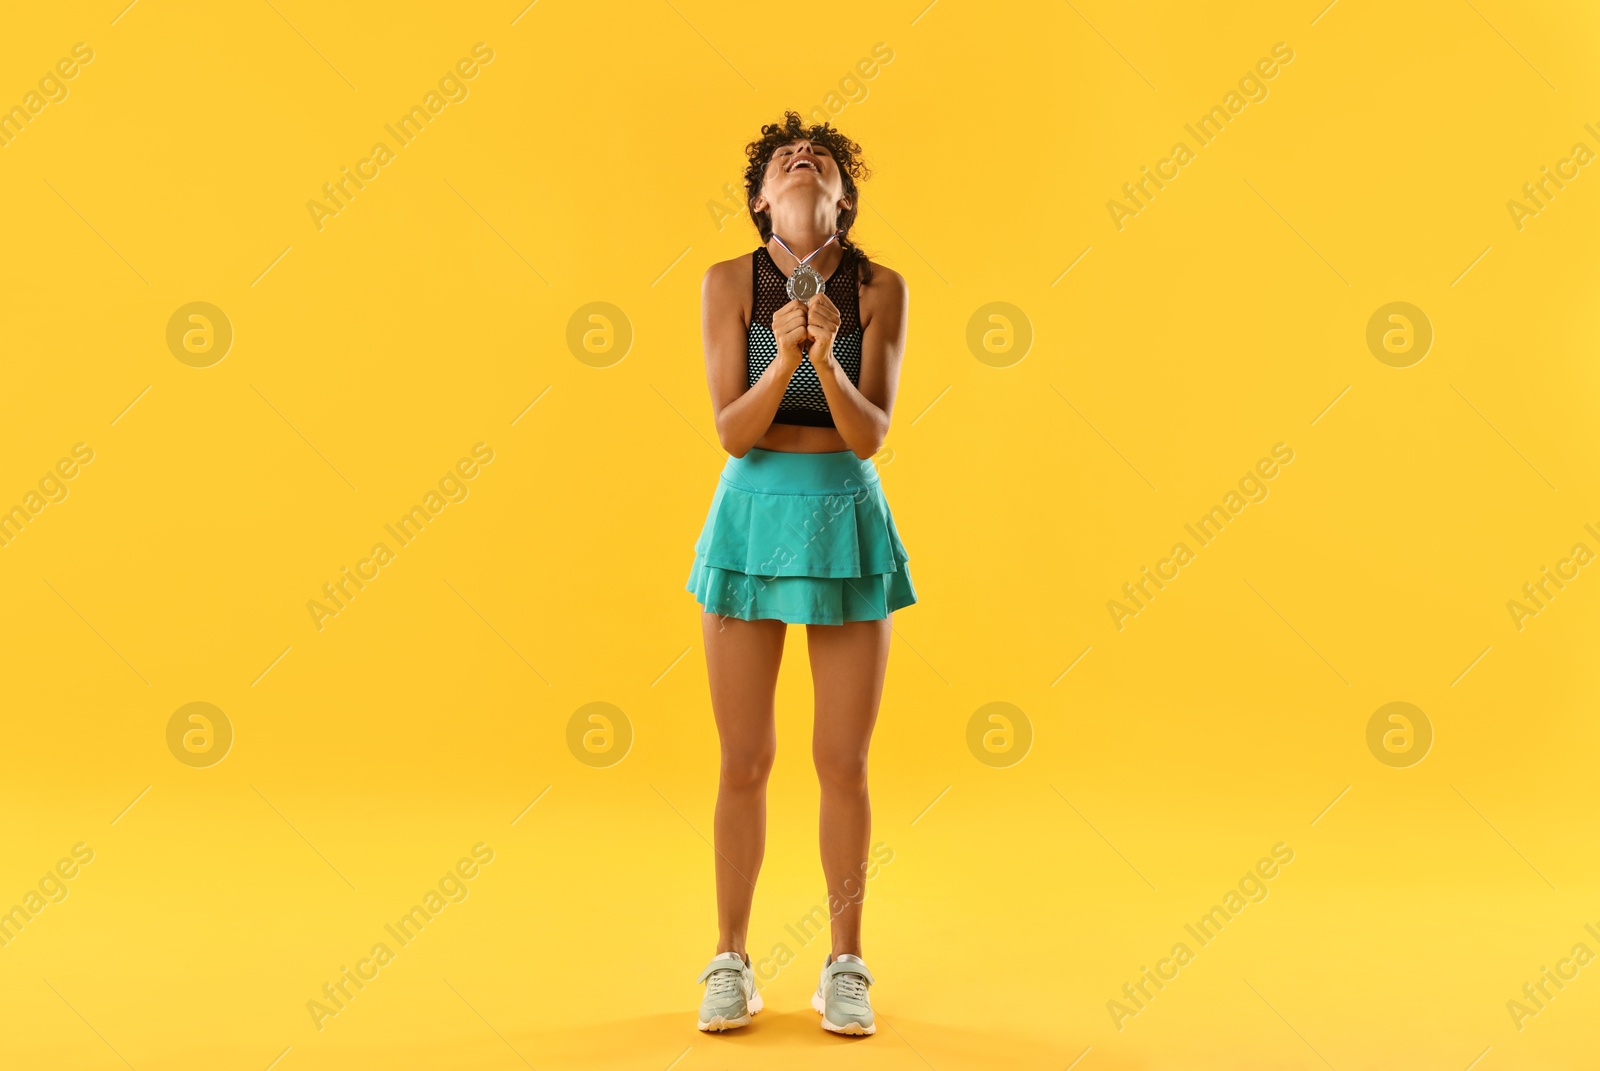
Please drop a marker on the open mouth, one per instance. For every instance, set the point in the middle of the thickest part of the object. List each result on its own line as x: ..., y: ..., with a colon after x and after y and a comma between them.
x: 804, y: 163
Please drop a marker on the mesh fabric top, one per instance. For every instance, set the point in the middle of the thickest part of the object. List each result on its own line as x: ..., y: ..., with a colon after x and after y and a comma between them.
x: 803, y: 402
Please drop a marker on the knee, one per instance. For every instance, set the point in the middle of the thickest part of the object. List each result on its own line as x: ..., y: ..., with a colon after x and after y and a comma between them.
x: 842, y: 771
x: 747, y: 770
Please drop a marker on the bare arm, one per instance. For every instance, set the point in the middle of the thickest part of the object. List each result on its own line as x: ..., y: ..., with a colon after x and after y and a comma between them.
x: 744, y: 411
x: 861, y: 415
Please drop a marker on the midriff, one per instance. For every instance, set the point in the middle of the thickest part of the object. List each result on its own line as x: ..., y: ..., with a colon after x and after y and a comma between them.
x: 800, y: 439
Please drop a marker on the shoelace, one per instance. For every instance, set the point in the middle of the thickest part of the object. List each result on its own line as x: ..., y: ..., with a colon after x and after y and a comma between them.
x: 850, y: 987
x: 722, y: 983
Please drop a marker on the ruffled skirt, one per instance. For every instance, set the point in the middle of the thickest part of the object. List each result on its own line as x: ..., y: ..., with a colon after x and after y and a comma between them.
x: 802, y: 538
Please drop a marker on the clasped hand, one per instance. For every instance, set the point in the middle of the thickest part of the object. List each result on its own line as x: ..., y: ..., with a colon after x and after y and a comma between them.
x: 807, y: 329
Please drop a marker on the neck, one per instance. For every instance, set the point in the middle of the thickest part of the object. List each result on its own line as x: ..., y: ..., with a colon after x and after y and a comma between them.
x: 804, y: 231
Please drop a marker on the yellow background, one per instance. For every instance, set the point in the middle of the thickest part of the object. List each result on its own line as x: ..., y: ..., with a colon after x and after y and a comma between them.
x: 430, y: 713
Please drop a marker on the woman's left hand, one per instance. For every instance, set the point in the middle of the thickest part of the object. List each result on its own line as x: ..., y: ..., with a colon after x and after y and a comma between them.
x: 822, y: 325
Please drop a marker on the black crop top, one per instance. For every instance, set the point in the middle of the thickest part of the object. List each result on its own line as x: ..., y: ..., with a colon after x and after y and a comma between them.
x: 803, y: 402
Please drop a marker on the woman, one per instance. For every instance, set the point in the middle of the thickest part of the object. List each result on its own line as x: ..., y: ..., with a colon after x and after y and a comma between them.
x: 802, y: 370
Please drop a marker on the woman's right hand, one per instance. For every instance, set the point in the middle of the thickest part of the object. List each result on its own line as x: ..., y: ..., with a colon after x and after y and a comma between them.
x: 789, y: 328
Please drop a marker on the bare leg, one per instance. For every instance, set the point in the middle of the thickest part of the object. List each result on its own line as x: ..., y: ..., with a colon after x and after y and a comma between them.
x: 742, y: 659
x: 847, y: 670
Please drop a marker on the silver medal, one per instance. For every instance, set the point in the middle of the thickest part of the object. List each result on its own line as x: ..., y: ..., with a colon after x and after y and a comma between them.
x: 806, y: 283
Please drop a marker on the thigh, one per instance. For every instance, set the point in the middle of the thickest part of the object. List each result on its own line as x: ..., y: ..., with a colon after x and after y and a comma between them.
x: 847, y: 670
x: 742, y: 659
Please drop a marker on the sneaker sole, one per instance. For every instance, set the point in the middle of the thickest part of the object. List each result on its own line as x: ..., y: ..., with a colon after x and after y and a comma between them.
x: 719, y: 1024
x: 854, y: 1029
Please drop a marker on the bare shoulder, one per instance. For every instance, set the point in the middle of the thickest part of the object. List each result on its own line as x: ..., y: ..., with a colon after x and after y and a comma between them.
x: 885, y: 295
x: 725, y: 290
x: 726, y: 275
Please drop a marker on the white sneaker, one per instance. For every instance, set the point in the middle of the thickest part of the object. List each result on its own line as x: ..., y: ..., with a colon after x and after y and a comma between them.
x: 841, y: 996
x: 731, y: 997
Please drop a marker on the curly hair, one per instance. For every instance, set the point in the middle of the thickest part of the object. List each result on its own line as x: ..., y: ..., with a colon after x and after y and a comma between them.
x: 846, y: 153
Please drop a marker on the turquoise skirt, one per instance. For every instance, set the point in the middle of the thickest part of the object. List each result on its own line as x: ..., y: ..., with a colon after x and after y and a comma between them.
x: 802, y: 538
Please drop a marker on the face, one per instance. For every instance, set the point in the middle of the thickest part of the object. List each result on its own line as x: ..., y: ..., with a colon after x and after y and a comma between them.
x: 801, y: 168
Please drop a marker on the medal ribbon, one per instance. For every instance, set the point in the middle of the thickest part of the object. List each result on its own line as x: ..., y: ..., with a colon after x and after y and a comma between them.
x: 813, y: 253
